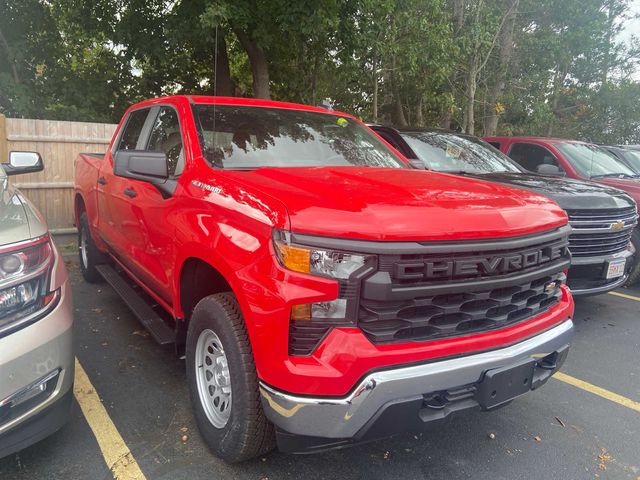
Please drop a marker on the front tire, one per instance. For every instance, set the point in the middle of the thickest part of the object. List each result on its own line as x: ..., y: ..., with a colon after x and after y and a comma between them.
x: 89, y: 254
x: 223, y: 384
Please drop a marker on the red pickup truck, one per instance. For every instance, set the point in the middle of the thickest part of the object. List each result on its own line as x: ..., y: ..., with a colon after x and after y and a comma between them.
x: 322, y: 291
x: 582, y: 161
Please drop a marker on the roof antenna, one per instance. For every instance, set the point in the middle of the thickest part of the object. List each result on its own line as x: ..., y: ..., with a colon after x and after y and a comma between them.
x: 215, y: 93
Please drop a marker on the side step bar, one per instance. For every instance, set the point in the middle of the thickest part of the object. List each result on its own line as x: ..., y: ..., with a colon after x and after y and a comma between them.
x: 158, y: 329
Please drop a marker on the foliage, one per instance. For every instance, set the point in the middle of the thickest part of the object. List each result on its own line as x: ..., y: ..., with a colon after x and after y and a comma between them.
x: 545, y: 67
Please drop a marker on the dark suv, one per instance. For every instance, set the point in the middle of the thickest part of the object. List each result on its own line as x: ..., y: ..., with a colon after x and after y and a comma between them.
x: 602, y: 218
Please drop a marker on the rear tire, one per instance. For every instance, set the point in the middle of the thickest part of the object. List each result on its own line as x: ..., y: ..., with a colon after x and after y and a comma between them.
x: 220, y: 366
x: 634, y: 275
x: 89, y: 254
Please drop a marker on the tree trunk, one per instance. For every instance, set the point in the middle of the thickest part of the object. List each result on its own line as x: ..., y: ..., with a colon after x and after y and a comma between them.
x: 419, y: 117
x: 607, y: 52
x: 400, y: 119
x: 558, y: 82
x: 223, y: 85
x: 10, y: 58
x: 468, y: 122
x: 458, y: 14
x: 259, y: 65
x: 445, y: 119
x: 504, y: 58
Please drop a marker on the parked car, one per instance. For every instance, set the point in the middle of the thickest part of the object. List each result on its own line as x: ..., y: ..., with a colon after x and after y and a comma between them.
x: 601, y: 256
x: 314, y: 281
x: 579, y: 160
x: 36, y: 319
x: 629, y: 156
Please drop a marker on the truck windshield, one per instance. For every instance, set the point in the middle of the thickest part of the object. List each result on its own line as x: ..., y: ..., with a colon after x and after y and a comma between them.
x: 591, y: 161
x: 245, y: 138
x: 448, y: 152
x: 633, y: 159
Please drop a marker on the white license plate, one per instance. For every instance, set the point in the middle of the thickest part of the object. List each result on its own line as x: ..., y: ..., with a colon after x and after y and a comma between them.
x: 615, y: 268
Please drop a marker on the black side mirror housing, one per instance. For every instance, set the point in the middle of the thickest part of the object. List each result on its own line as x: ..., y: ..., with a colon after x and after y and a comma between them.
x: 417, y: 164
x: 547, y: 169
x: 141, y: 165
x: 145, y: 166
x: 23, y: 162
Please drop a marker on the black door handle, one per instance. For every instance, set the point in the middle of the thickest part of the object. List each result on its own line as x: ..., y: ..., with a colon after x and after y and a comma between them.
x: 129, y: 192
x: 102, y: 180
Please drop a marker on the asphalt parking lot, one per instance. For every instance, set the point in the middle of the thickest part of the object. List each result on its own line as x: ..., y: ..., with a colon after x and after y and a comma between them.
x: 568, y: 429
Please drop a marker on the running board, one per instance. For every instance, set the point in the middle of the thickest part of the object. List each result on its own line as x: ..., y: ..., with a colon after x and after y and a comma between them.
x: 158, y: 329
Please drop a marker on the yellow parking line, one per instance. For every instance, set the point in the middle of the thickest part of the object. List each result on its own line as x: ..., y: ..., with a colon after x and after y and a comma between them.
x: 601, y: 392
x: 115, y: 452
x: 624, y: 295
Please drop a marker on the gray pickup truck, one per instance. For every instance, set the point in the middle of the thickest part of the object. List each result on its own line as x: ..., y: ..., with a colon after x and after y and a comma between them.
x: 36, y: 319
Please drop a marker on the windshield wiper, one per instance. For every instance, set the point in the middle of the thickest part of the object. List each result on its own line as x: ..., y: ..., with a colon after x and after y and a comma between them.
x: 618, y: 175
x: 457, y: 172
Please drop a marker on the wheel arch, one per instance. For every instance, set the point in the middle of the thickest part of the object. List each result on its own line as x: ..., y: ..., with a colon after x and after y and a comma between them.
x: 199, y: 277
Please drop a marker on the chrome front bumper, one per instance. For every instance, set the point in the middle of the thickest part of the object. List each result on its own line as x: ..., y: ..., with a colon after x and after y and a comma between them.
x: 346, y: 417
x: 586, y: 273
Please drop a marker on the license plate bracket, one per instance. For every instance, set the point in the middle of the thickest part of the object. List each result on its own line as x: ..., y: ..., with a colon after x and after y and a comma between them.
x: 501, y: 385
x: 615, y: 268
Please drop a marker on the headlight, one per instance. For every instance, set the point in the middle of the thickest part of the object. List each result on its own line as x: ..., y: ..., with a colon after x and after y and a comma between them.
x: 24, y: 280
x: 310, y: 322
x: 317, y: 261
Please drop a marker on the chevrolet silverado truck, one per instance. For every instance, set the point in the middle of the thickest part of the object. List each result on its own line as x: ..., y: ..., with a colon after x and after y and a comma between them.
x: 36, y: 319
x: 602, y: 217
x: 322, y: 292
x: 581, y: 161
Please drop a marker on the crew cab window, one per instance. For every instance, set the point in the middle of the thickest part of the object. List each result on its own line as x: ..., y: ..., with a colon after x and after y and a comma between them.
x: 495, y: 144
x: 246, y: 138
x: 531, y: 156
x: 166, y: 137
x: 133, y: 129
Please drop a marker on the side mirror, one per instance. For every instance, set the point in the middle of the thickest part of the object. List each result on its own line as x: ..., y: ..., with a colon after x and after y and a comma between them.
x: 23, y: 162
x: 417, y: 164
x: 546, y: 169
x: 141, y: 165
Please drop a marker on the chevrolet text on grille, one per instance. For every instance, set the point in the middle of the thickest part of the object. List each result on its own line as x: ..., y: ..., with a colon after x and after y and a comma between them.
x: 484, y: 265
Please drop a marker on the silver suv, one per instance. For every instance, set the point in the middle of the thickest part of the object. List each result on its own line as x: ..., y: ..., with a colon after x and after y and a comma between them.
x: 36, y: 319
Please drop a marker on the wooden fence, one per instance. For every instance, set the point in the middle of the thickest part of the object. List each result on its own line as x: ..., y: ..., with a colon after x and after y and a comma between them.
x: 59, y: 143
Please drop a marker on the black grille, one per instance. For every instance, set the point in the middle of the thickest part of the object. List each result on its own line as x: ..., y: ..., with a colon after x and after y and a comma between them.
x: 601, y: 232
x: 418, y: 291
x: 447, y: 315
x: 305, y: 335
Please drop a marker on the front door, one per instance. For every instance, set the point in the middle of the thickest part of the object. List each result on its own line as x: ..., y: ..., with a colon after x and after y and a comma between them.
x: 148, y: 216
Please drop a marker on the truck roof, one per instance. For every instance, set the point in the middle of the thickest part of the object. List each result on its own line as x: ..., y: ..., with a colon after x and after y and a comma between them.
x: 238, y: 101
x: 534, y: 137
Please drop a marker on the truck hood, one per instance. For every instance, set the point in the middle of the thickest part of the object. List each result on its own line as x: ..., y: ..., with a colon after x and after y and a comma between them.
x: 569, y: 194
x: 629, y: 185
x: 401, y: 204
x: 19, y: 220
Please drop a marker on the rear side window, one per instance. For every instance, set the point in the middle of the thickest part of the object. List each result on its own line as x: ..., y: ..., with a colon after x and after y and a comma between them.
x: 133, y: 129
x: 165, y: 137
x: 531, y: 156
x: 495, y: 144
